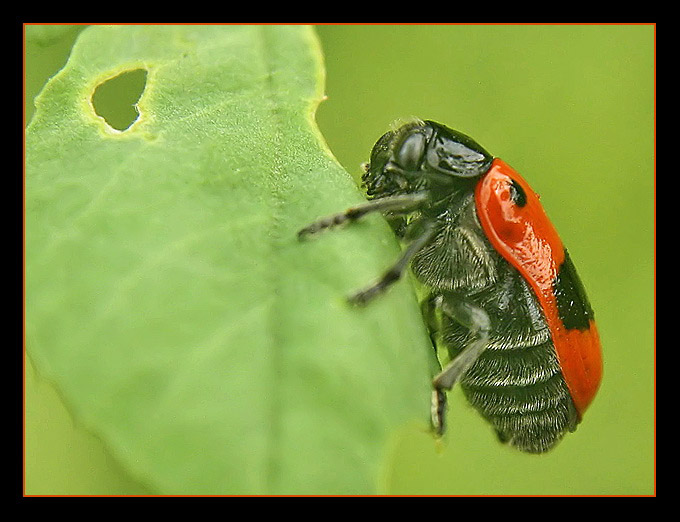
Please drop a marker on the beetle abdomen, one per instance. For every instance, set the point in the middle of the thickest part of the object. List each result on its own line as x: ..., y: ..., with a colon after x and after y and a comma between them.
x: 517, y: 383
x: 532, y: 415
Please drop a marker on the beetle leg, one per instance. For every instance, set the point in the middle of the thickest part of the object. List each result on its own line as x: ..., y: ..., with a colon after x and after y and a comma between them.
x: 438, y: 411
x: 394, y: 273
x: 428, y: 309
x: 477, y: 320
x: 398, y: 204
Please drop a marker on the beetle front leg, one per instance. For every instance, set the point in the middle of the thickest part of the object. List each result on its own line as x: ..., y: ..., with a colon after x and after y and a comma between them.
x: 479, y: 324
x: 397, y: 204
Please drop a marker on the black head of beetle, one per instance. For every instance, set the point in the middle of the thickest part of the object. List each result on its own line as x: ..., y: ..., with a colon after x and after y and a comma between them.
x: 421, y: 154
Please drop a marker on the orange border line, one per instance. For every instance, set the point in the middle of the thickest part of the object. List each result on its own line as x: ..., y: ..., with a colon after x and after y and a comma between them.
x: 323, y: 24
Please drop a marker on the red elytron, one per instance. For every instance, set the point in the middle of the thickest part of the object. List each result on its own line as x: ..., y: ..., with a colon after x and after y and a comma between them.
x: 526, y: 238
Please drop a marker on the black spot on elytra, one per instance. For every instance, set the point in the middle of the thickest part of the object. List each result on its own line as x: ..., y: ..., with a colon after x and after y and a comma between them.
x: 517, y: 194
x: 573, y: 307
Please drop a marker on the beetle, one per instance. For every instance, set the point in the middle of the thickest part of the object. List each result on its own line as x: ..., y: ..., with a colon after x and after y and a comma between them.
x: 502, y: 296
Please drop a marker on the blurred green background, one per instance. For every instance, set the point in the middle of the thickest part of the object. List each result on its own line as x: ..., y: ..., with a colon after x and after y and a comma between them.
x: 571, y: 107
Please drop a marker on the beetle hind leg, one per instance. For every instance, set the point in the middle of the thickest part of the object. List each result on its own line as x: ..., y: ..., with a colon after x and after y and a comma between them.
x: 438, y: 411
x: 477, y: 320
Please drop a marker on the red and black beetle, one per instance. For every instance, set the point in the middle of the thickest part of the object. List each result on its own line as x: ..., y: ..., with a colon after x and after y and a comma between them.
x: 502, y: 294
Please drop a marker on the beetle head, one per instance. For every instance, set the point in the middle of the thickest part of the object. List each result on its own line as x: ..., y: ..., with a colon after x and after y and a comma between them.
x: 423, y: 154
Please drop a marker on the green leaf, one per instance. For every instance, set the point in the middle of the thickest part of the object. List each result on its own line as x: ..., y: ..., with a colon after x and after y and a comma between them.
x: 167, y: 296
x: 46, y: 35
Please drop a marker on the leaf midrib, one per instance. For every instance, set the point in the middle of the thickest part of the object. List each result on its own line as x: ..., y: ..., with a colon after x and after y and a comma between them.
x: 277, y: 201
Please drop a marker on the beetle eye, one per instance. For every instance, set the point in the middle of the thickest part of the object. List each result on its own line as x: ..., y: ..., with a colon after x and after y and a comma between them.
x: 411, y: 151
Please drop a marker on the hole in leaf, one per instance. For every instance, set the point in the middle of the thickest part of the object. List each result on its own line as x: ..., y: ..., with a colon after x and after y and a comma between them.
x: 115, y: 99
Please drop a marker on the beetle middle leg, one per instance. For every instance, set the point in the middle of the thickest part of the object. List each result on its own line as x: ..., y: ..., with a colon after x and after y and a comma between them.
x: 477, y: 321
x: 394, y: 273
